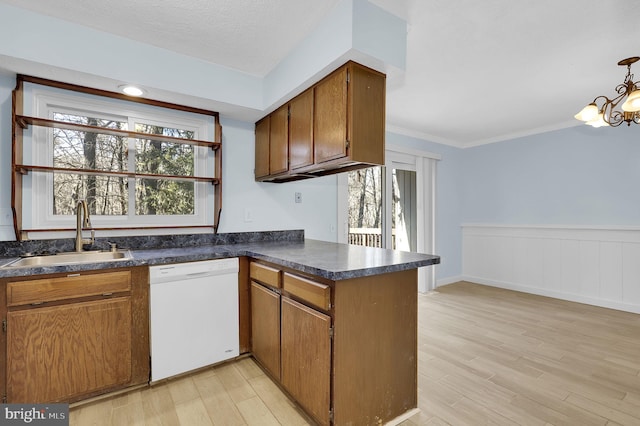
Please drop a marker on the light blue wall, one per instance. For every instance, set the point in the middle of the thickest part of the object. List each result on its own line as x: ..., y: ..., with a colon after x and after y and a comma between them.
x: 575, y: 176
x: 272, y: 205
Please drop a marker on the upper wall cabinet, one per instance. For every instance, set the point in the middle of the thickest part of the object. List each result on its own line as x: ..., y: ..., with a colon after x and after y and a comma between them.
x: 301, y: 130
x: 336, y: 125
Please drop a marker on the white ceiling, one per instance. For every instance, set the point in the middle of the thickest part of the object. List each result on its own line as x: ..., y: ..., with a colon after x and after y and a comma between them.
x: 476, y: 71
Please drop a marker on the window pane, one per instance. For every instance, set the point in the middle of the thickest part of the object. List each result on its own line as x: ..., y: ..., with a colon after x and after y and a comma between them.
x: 403, y: 210
x: 89, y: 150
x: 168, y: 158
x: 365, y: 207
x: 164, y: 197
x: 105, y: 195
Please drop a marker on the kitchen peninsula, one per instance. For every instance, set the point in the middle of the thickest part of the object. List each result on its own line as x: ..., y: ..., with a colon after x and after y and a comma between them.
x: 362, y: 371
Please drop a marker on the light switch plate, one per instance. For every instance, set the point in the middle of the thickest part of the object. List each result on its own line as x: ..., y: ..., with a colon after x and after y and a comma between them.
x: 298, y: 197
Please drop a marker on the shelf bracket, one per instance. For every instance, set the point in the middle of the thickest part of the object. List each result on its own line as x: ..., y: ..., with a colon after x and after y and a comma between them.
x: 22, y: 122
x: 22, y: 170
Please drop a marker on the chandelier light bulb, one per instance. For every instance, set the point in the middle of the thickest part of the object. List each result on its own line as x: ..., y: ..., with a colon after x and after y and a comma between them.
x: 587, y: 113
x: 598, y: 121
x: 632, y: 104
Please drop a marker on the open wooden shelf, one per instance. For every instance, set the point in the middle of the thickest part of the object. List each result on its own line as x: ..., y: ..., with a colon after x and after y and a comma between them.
x: 21, y: 122
x: 24, y: 121
x: 24, y: 169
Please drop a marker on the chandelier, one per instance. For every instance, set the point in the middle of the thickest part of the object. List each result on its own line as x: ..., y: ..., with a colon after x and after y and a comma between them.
x: 602, y: 111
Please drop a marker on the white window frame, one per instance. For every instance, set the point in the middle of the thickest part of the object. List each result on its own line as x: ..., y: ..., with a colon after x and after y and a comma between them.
x: 42, y: 102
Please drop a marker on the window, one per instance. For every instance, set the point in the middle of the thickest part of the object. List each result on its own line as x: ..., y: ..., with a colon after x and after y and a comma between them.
x: 137, y: 166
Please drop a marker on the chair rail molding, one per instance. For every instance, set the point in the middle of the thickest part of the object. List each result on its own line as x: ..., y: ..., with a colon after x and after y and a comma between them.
x: 596, y: 265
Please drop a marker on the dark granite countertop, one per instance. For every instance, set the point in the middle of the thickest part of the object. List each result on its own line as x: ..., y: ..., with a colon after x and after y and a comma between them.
x: 328, y: 260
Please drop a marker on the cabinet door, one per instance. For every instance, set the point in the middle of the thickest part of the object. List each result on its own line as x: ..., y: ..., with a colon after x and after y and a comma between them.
x: 301, y: 130
x: 54, y: 353
x: 279, y: 141
x: 262, y: 148
x: 367, y: 115
x: 306, y: 357
x: 330, y: 117
x: 265, y: 327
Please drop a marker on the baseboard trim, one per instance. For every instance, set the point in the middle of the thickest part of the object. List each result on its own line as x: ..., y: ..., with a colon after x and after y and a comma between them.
x: 555, y: 294
x: 448, y: 280
x: 402, y: 417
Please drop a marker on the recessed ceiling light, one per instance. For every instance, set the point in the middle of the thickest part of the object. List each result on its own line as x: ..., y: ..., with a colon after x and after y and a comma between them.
x: 131, y: 90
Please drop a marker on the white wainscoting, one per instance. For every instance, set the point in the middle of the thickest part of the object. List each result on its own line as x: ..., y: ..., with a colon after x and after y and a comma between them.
x: 594, y: 265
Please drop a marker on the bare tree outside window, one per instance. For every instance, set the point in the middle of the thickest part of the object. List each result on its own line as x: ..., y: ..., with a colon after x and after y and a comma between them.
x: 105, y: 195
x: 366, y: 211
x: 365, y: 207
x: 109, y: 195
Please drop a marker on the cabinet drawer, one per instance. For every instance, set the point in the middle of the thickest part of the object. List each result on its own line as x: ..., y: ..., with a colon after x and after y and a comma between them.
x: 315, y: 293
x: 71, y: 286
x: 265, y: 274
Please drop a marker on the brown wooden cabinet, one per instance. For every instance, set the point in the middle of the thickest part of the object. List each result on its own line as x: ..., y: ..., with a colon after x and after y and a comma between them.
x: 306, y: 357
x: 263, y: 128
x: 59, y: 352
x: 290, y: 340
x: 272, y: 144
x: 72, y: 336
x: 265, y: 327
x: 336, y: 125
x: 349, y: 116
x: 348, y: 348
x: 279, y: 141
x: 301, y: 130
x: 330, y: 116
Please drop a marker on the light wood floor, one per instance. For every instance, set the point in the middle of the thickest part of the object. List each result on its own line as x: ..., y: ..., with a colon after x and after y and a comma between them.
x: 486, y: 356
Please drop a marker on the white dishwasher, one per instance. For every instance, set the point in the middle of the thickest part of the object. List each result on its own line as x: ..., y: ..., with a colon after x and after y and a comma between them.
x: 194, y: 315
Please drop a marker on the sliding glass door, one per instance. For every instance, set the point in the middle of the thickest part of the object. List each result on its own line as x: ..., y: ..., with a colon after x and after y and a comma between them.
x: 393, y: 207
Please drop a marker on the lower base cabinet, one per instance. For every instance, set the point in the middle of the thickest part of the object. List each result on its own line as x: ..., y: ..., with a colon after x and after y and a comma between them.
x: 70, y: 337
x: 347, y: 349
x: 58, y: 352
x: 306, y: 357
x: 265, y: 306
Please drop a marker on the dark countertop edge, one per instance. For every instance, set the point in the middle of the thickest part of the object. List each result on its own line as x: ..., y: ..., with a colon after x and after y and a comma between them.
x: 352, y: 273
x: 192, y: 254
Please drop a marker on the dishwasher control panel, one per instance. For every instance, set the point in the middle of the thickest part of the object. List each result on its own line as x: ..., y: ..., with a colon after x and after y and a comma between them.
x: 163, y: 273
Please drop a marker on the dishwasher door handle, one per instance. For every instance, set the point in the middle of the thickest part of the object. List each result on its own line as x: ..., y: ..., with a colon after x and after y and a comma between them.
x: 199, y: 274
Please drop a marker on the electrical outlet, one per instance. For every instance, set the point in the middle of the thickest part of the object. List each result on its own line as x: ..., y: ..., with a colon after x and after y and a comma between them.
x: 298, y: 197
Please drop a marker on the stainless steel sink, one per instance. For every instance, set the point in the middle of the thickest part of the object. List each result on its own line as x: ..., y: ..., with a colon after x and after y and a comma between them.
x: 70, y: 258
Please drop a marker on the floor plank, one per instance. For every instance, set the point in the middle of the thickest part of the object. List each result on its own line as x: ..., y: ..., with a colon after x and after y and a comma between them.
x: 485, y: 356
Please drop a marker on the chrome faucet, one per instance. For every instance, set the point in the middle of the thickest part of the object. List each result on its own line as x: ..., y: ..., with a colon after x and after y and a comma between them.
x: 82, y: 209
